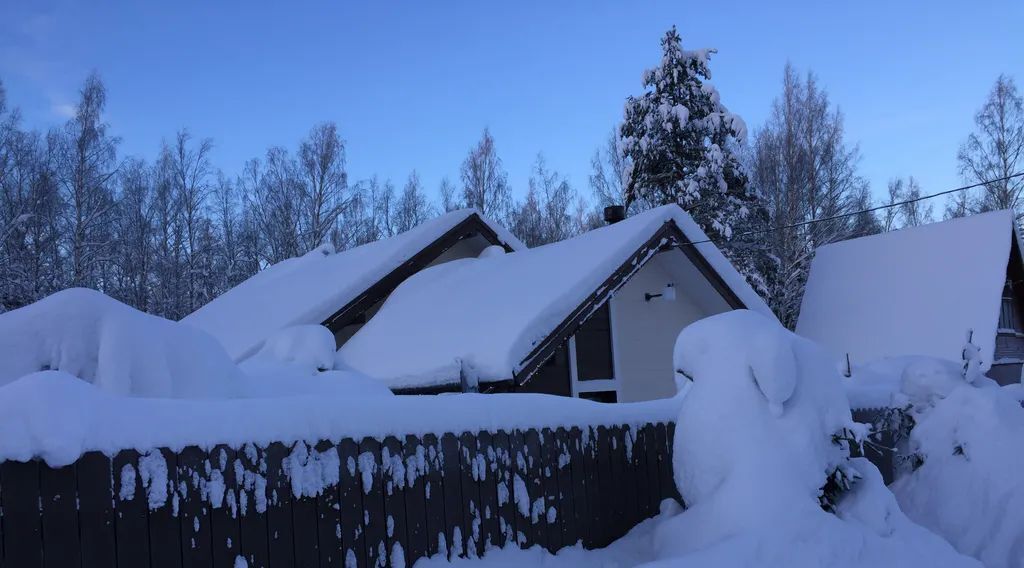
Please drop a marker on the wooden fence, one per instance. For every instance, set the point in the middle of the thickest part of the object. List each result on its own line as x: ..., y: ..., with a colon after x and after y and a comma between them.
x: 350, y: 503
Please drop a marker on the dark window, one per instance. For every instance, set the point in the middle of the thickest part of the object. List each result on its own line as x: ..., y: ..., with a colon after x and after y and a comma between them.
x: 594, y: 347
x: 1008, y: 316
x: 600, y: 396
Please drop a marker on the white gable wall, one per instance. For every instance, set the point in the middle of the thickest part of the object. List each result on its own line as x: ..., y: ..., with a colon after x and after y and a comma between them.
x: 643, y: 333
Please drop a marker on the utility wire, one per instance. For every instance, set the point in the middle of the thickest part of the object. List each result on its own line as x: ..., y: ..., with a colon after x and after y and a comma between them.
x: 862, y: 211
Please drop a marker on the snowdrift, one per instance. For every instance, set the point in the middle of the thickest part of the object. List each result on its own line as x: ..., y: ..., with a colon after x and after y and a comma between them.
x: 119, y: 349
x: 969, y: 440
x: 754, y: 444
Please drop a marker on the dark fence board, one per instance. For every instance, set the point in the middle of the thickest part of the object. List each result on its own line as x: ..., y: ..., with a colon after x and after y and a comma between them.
x: 164, y: 531
x: 351, y: 496
x: 490, y: 528
x: 96, y: 511
x: 394, y: 479
x: 23, y: 544
x: 58, y: 493
x: 520, y: 490
x: 433, y: 490
x: 131, y: 518
x: 643, y: 496
x: 328, y: 511
x: 416, y: 467
x: 634, y: 512
x: 503, y: 487
x: 253, y: 500
x: 566, y: 514
x: 577, y: 469
x: 225, y: 528
x: 196, y: 545
x: 549, y: 469
x: 606, y: 487
x: 653, y: 467
x: 667, y: 478
x: 620, y: 481
x: 537, y: 530
x: 471, y: 512
x: 281, y: 544
x: 454, y: 521
x: 374, y: 519
x: 305, y: 532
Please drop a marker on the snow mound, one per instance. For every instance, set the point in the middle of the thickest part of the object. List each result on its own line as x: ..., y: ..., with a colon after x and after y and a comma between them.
x: 968, y: 488
x: 309, y: 347
x: 753, y: 447
x: 117, y: 348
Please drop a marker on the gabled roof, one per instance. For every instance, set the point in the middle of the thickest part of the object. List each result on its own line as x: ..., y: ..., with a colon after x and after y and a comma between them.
x: 499, y: 316
x: 915, y: 291
x: 323, y: 285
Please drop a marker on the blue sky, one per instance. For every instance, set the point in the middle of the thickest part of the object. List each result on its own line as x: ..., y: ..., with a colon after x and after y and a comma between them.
x: 412, y: 84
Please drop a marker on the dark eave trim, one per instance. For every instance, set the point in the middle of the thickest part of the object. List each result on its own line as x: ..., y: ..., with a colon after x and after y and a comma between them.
x: 468, y: 227
x: 668, y: 236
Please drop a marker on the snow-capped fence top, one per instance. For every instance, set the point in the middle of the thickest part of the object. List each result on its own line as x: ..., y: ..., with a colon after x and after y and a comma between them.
x: 370, y: 501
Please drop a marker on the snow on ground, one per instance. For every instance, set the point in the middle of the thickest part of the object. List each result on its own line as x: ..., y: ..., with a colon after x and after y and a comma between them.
x: 119, y: 349
x: 631, y: 550
x: 969, y: 488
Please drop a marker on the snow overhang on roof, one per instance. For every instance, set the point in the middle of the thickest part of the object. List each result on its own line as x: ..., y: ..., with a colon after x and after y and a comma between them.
x: 311, y: 288
x: 484, y: 317
x: 916, y: 291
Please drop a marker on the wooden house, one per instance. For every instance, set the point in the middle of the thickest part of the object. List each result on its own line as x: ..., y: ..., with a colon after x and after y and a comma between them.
x: 595, y: 316
x: 341, y: 290
x: 921, y: 291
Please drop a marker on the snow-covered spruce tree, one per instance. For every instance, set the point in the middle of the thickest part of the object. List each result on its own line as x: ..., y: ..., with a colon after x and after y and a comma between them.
x: 679, y: 141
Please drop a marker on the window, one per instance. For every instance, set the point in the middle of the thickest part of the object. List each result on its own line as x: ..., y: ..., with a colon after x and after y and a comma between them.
x: 1008, y: 318
x: 600, y: 396
x: 594, y: 347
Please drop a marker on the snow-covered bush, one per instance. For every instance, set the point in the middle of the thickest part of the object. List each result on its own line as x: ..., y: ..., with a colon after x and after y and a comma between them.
x: 966, y: 455
x: 117, y: 348
x: 754, y: 447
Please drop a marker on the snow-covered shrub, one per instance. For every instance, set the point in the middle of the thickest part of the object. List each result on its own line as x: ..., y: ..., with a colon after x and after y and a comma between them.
x: 117, y: 348
x: 967, y: 452
x: 753, y: 450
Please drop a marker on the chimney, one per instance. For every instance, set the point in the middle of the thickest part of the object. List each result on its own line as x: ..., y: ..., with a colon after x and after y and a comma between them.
x: 614, y: 213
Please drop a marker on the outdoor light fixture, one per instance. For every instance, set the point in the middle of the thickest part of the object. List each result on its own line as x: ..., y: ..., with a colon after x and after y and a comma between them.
x: 668, y: 293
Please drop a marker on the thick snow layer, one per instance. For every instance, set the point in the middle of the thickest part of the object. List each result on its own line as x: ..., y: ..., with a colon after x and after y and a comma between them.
x: 92, y: 419
x: 117, y: 348
x: 309, y: 347
x: 773, y: 402
x: 915, y: 291
x: 309, y: 288
x: 969, y: 488
x: 483, y: 316
x: 888, y: 382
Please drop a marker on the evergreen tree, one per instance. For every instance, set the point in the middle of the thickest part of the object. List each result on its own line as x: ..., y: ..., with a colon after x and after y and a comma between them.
x: 679, y: 141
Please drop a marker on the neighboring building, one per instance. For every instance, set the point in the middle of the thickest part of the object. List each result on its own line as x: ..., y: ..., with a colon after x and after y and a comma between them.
x: 918, y: 291
x: 595, y: 316
x: 341, y: 290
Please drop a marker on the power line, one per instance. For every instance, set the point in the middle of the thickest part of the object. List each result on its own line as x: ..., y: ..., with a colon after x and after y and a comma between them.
x: 862, y: 211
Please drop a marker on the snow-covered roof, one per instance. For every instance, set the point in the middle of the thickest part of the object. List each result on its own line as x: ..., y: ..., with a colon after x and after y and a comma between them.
x: 310, y: 288
x: 487, y: 314
x: 915, y: 291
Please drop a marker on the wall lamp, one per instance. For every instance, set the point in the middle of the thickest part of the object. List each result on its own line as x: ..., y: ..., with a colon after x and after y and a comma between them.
x: 668, y: 293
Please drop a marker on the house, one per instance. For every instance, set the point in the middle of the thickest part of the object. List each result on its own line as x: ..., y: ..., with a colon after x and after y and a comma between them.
x: 341, y: 290
x: 920, y: 291
x: 595, y: 316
